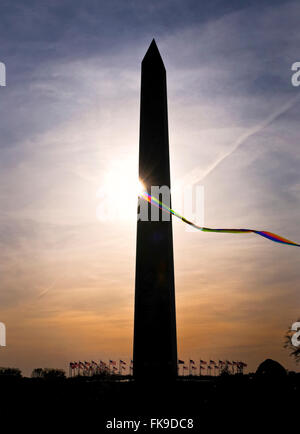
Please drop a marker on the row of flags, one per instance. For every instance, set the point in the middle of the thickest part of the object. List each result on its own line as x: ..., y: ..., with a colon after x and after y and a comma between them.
x: 234, y: 366
x: 91, y: 368
x: 212, y: 362
x: 120, y: 366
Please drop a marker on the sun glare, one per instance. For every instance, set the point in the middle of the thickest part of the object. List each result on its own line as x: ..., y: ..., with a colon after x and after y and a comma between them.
x: 140, y: 188
x: 118, y: 194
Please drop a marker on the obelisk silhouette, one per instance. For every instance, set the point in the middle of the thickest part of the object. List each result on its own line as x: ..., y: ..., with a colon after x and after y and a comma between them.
x: 155, y: 343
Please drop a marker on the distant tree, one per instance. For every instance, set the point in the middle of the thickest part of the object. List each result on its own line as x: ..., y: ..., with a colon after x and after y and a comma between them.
x: 48, y: 373
x: 10, y: 372
x: 37, y: 373
x: 225, y: 370
x: 54, y: 373
x: 294, y: 351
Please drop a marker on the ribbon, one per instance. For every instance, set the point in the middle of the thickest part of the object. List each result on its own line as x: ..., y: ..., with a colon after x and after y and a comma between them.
x: 269, y: 235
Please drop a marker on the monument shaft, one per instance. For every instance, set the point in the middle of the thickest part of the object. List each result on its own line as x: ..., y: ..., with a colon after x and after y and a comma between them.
x: 155, y: 344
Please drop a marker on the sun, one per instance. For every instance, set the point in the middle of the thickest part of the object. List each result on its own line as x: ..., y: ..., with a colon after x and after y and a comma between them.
x: 118, y: 193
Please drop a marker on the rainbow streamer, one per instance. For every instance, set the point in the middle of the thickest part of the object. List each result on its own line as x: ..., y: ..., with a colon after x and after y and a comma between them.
x: 269, y: 235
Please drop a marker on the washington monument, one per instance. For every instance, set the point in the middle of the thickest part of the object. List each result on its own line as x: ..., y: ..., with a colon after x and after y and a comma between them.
x: 155, y: 344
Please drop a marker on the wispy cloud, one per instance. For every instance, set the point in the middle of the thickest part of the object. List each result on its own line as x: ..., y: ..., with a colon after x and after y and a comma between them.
x: 196, y: 175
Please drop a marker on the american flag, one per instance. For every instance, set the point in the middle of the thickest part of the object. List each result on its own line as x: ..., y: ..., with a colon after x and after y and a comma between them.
x: 212, y: 362
x: 112, y: 362
x: 180, y: 362
x: 122, y: 362
x: 192, y: 362
x: 203, y: 362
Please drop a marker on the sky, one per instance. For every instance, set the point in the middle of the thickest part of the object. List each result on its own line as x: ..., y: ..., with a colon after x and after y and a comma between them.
x: 69, y: 118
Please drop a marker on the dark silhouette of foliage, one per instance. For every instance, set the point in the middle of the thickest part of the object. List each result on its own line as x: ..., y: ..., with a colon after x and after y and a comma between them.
x: 225, y: 371
x: 48, y: 373
x: 10, y: 372
x: 37, y: 373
